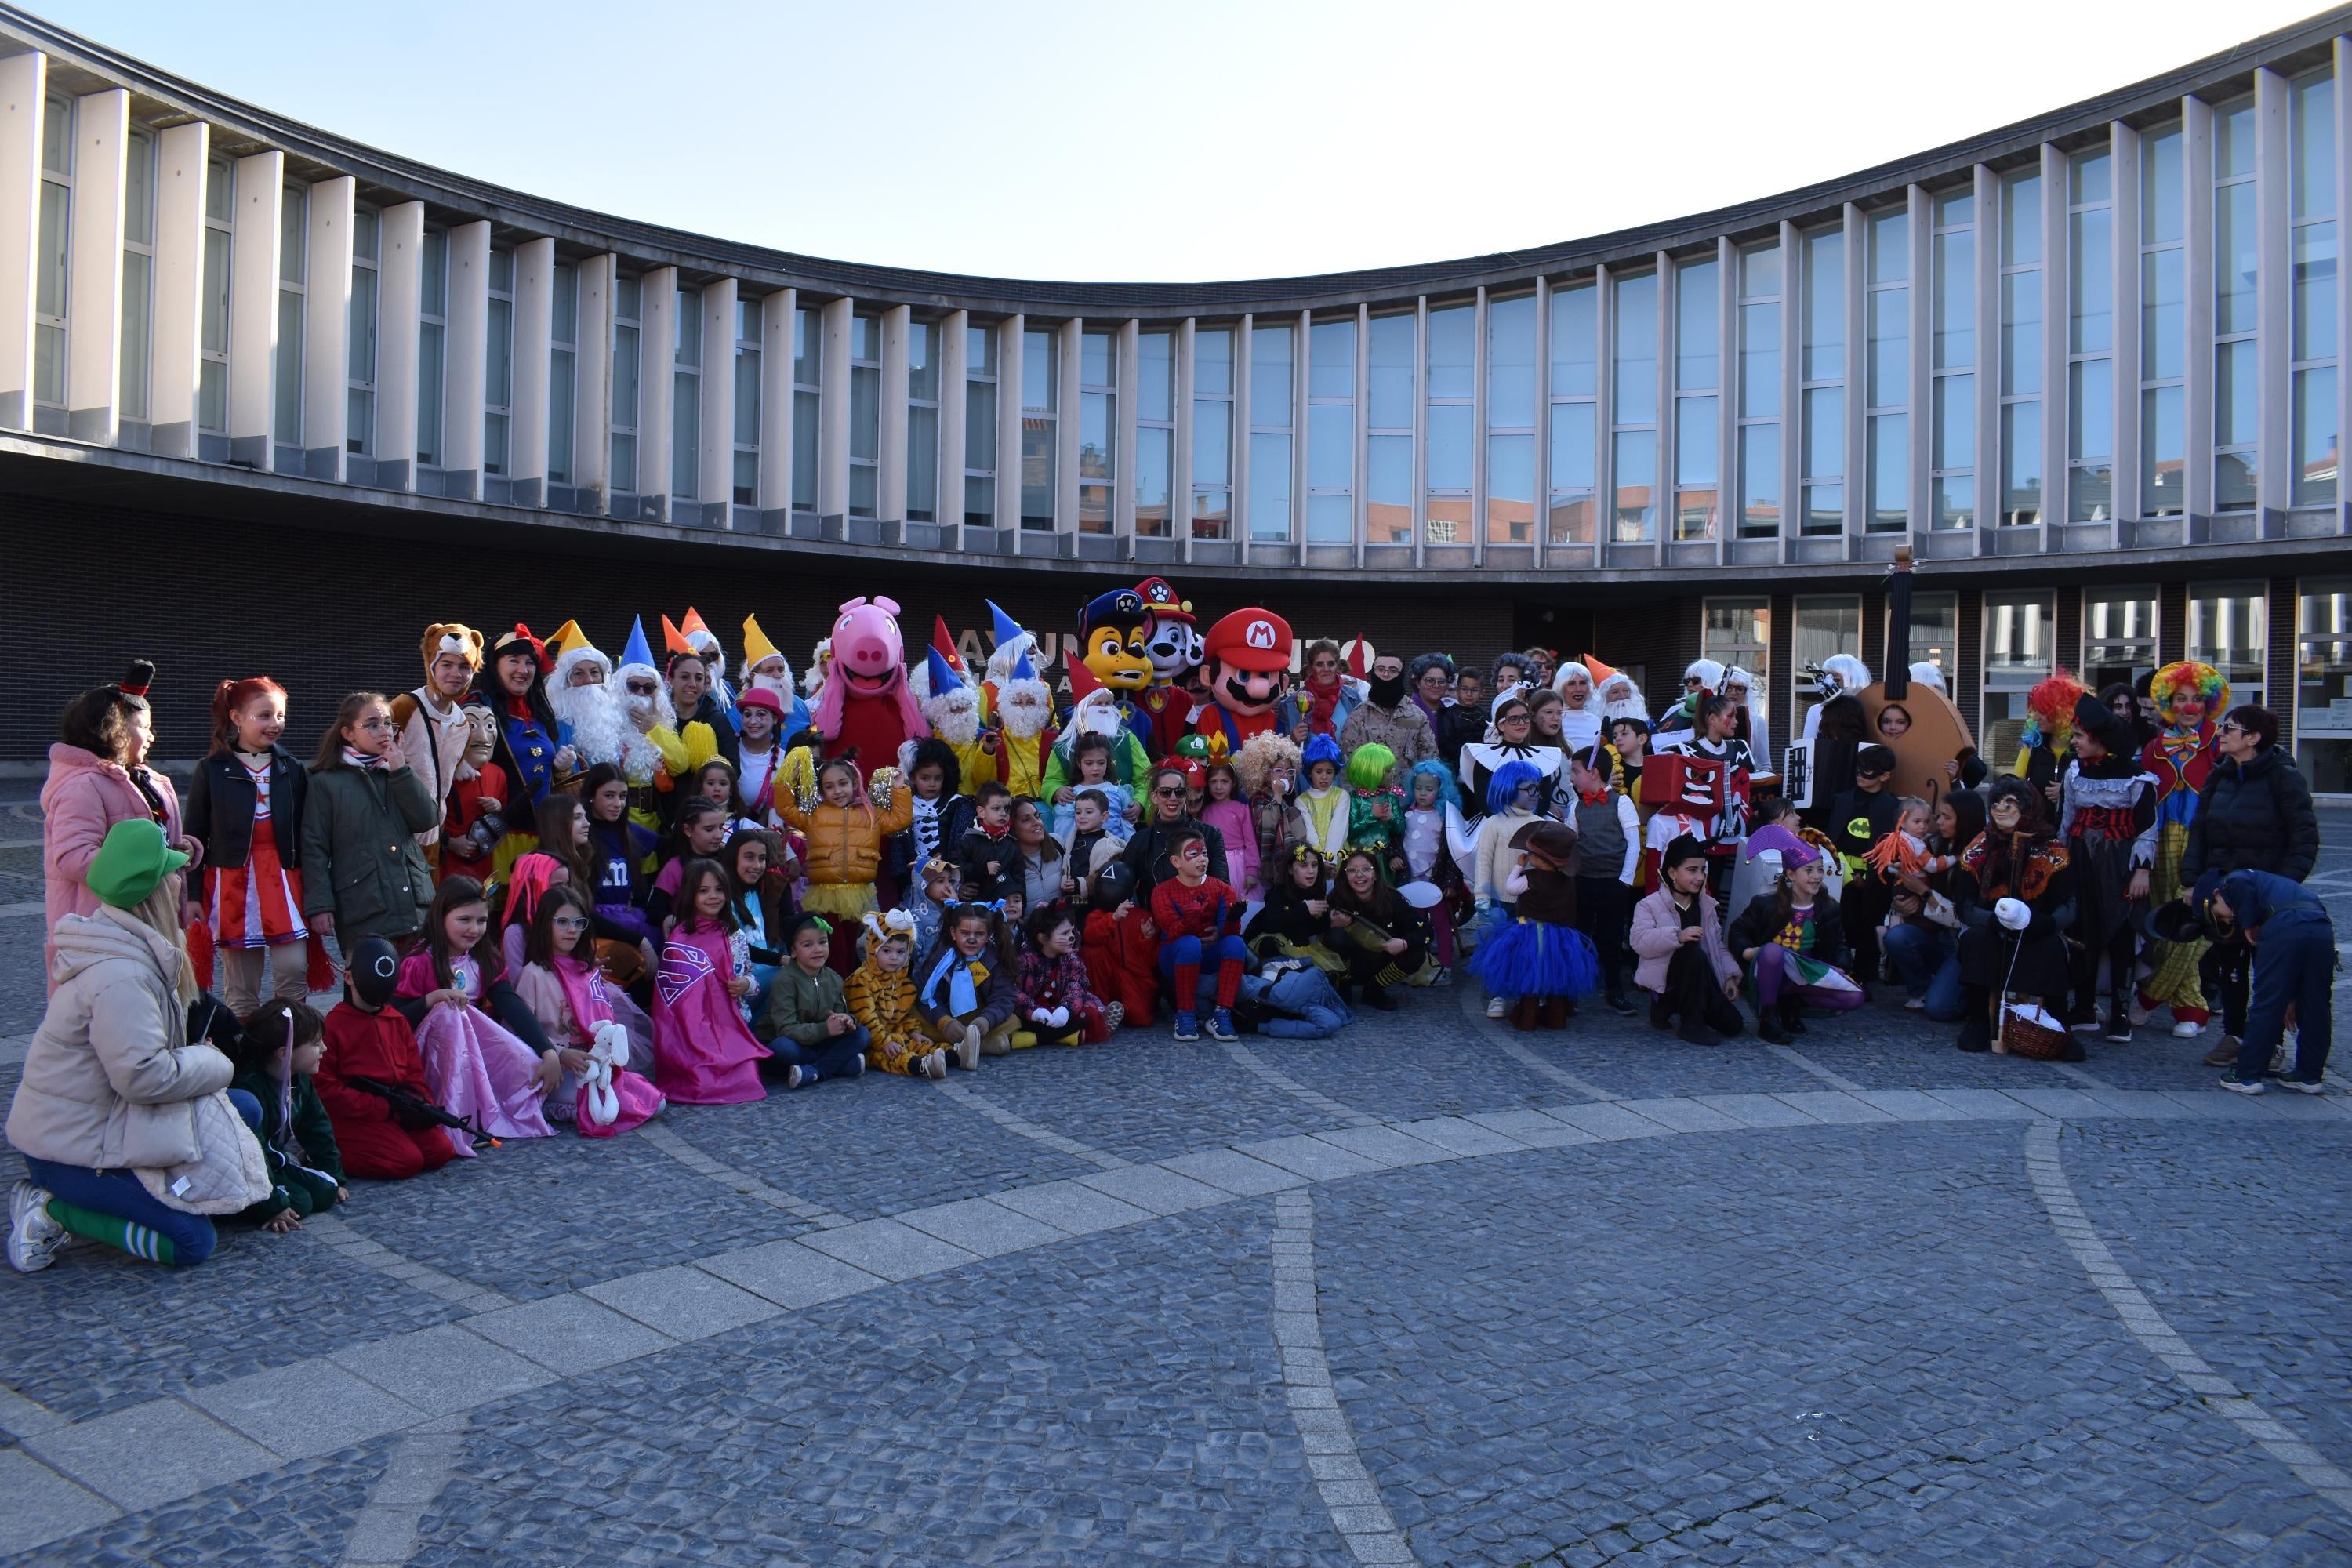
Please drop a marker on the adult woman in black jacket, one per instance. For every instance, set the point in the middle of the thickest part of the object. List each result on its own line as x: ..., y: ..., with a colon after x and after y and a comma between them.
x: 2254, y: 814
x: 1147, y: 852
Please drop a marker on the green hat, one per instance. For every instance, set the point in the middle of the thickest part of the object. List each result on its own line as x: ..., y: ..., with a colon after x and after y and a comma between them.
x: 131, y: 861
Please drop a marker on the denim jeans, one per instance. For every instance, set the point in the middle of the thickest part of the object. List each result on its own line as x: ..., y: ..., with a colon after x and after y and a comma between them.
x: 2291, y: 963
x: 1928, y: 957
x: 121, y: 1193
x: 829, y: 1058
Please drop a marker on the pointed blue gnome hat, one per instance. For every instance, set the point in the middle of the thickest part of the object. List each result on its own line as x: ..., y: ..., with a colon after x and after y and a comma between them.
x: 1023, y: 669
x: 1007, y: 629
x: 943, y: 676
x: 639, y: 651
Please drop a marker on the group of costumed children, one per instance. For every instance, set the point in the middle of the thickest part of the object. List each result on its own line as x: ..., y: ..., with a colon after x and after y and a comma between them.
x: 640, y: 885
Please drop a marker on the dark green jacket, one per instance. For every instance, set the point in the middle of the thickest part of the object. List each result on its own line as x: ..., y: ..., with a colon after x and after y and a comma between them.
x: 799, y: 1004
x: 361, y: 862
x: 309, y: 1127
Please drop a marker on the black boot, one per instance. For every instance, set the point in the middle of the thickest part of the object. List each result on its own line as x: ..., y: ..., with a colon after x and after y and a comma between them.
x: 1976, y: 1019
x: 1792, y: 1016
x: 1767, y: 1027
x: 1662, y: 1012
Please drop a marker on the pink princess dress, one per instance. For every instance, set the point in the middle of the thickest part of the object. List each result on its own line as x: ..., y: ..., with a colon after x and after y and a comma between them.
x: 590, y: 1001
x: 704, y: 1054
x: 475, y: 1068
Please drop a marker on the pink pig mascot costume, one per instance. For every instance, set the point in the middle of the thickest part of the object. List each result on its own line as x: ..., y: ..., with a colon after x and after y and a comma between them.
x: 864, y: 711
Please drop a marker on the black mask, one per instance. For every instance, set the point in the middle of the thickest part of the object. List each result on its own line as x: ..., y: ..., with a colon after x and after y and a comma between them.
x: 375, y: 971
x: 1388, y: 692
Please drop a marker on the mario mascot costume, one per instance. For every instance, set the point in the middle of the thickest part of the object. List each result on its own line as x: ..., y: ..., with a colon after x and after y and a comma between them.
x: 1248, y: 656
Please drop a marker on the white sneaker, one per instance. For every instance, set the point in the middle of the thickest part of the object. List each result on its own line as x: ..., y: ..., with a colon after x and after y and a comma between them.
x: 2300, y: 1086
x: 1497, y: 1008
x: 968, y: 1048
x: 2187, y: 1030
x: 33, y: 1237
x: 2234, y: 1087
x: 936, y: 1064
x: 1444, y: 977
x: 792, y: 1078
x: 2136, y: 1013
x: 1914, y: 1004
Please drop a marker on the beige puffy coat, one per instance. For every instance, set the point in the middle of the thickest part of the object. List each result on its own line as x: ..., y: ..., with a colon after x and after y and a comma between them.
x: 110, y: 1081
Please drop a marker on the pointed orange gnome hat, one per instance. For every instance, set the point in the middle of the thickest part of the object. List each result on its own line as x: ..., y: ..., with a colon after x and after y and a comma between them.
x: 1600, y: 671
x: 673, y: 639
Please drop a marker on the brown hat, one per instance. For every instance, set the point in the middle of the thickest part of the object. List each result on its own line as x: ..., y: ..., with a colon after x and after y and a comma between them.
x: 1555, y: 841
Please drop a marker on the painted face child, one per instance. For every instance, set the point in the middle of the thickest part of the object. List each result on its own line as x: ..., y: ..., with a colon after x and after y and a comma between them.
x: 972, y: 929
x: 1425, y: 792
x: 1059, y: 942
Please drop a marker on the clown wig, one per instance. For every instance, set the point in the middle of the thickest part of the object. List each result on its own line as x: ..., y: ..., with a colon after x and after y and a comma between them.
x: 2050, y: 712
x: 2189, y: 678
x: 1260, y: 755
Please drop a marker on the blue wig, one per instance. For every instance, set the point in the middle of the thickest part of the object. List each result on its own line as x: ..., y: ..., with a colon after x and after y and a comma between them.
x: 1448, y: 792
x: 1320, y: 748
x: 1503, y: 789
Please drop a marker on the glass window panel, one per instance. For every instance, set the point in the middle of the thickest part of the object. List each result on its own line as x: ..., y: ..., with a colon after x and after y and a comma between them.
x: 747, y: 398
x: 1330, y: 519
x: 288, y: 421
x: 1213, y: 361
x: 2091, y: 411
x: 2235, y: 260
x: 1511, y: 363
x: 626, y: 290
x: 562, y: 401
x: 979, y: 501
x: 625, y: 376
x: 1760, y: 361
x: 2234, y: 482
x: 359, y: 427
x: 2160, y: 192
x: 980, y: 425
x: 744, y: 490
x: 139, y: 189
x: 1890, y: 246
x: 50, y: 293
x: 979, y: 351
x: 1269, y: 488
x: 1155, y: 376
x: 1637, y: 349
x: 2021, y: 333
x: 686, y: 434
x: 922, y: 464
x: 1096, y: 410
x: 1955, y: 502
x: 433, y: 269
x: 502, y: 270
x: 1955, y: 435
x: 1759, y: 479
x: 1452, y: 348
x: 1698, y: 317
x: 1153, y: 465
x: 750, y: 316
x: 1330, y: 446
x: 220, y: 190
x: 1956, y: 300
x: 2314, y: 146
x: 1698, y: 441
x: 1759, y: 272
x: 1637, y: 468
x: 2163, y: 315
x: 2164, y: 449
x: 1824, y: 509
x: 624, y: 464
x: 1040, y: 370
x: 1038, y: 453
x: 1450, y: 437
x: 2233, y: 140
x: 2229, y: 629
x: 2020, y: 639
x: 808, y: 349
x: 293, y: 234
x: 136, y: 297
x: 1890, y: 348
x: 1824, y: 433
x: 866, y: 339
x: 216, y: 287
x: 1331, y: 359
x: 2092, y: 283
x: 1890, y: 471
x: 864, y: 412
x: 428, y: 395
x: 1270, y: 376
x: 1824, y: 305
x: 2090, y: 492
x: 1954, y: 208
x: 1097, y: 359
x: 1388, y: 489
x: 2089, y: 179
x: 497, y: 374
x: 1212, y: 435
x: 2020, y: 220
x: 2314, y: 437
x: 1390, y: 372
x: 2020, y: 462
x: 2237, y: 383
x: 1574, y: 357
x: 2315, y: 292
x: 1573, y: 452
x: 863, y: 485
x: 1211, y: 513
x: 923, y: 360
x: 1824, y: 628
x: 1511, y: 470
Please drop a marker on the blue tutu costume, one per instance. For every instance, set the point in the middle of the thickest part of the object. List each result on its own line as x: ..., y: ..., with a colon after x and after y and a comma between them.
x: 1539, y: 951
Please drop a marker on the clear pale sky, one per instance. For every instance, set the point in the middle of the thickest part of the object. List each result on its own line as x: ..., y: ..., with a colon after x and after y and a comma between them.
x: 1072, y: 139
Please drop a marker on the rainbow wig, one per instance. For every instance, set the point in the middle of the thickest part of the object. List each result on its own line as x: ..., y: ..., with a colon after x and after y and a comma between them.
x: 1503, y: 789
x: 1449, y: 794
x: 2050, y: 712
x: 2190, y: 678
x: 1368, y: 765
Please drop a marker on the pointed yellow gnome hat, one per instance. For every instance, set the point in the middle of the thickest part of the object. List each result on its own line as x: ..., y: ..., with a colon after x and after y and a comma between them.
x: 756, y: 646
x: 566, y: 636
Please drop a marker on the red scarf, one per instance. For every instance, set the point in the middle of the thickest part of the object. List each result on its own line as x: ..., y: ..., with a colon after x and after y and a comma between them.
x: 1321, y: 703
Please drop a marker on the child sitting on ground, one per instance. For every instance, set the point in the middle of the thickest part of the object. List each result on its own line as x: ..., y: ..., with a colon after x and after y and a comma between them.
x: 1121, y: 948
x: 1290, y: 999
x: 1793, y: 938
x: 704, y: 1054
x: 1052, y: 1003
x: 881, y: 996
x: 282, y: 1043
x: 493, y: 1068
x: 807, y: 1022
x: 566, y: 990
x: 366, y: 1037
x: 1199, y: 919
x: 967, y: 990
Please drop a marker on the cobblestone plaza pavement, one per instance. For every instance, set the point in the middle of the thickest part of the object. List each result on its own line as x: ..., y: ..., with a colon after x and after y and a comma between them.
x: 1429, y: 1292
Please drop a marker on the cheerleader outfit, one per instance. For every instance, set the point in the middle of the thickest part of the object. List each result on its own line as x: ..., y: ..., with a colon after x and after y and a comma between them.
x: 256, y: 906
x: 1537, y: 952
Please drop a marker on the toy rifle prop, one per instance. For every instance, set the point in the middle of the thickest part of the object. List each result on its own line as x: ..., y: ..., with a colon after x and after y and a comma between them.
x: 411, y: 1109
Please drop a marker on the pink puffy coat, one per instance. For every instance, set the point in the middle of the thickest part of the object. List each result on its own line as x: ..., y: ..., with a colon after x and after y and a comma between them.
x: 84, y: 795
x: 1657, y: 931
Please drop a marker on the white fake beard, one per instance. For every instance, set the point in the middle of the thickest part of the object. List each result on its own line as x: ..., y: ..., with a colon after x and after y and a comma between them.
x: 713, y: 659
x: 600, y: 723
x: 780, y: 685
x: 1023, y: 707
x: 955, y: 717
x: 654, y: 712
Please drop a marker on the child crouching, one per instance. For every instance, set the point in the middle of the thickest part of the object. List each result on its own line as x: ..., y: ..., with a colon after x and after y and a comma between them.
x: 881, y: 996
x: 282, y: 1045
x: 967, y: 994
x: 1052, y: 1005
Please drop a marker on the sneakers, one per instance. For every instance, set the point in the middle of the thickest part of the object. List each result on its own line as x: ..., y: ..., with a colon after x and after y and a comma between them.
x: 2119, y: 1034
x: 968, y: 1050
x: 856, y: 1066
x: 1188, y: 1028
x: 2186, y: 1029
x: 2300, y: 1086
x: 33, y: 1237
x: 1616, y: 1003
x: 2225, y: 1053
x: 935, y: 1066
x: 1115, y: 1015
x: 2136, y: 1013
x: 2234, y: 1087
x: 1444, y: 978
x: 1221, y: 1026
x: 794, y: 1077
x: 1914, y: 1004
x: 1497, y: 1008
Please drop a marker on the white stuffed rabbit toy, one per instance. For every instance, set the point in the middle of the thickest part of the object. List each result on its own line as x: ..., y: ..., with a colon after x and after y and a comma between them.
x: 605, y: 1059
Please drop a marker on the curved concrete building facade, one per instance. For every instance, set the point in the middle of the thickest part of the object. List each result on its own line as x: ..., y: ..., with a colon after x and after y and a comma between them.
x: 2086, y: 367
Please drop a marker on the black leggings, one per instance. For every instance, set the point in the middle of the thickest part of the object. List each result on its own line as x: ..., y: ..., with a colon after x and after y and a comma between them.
x: 2122, y: 950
